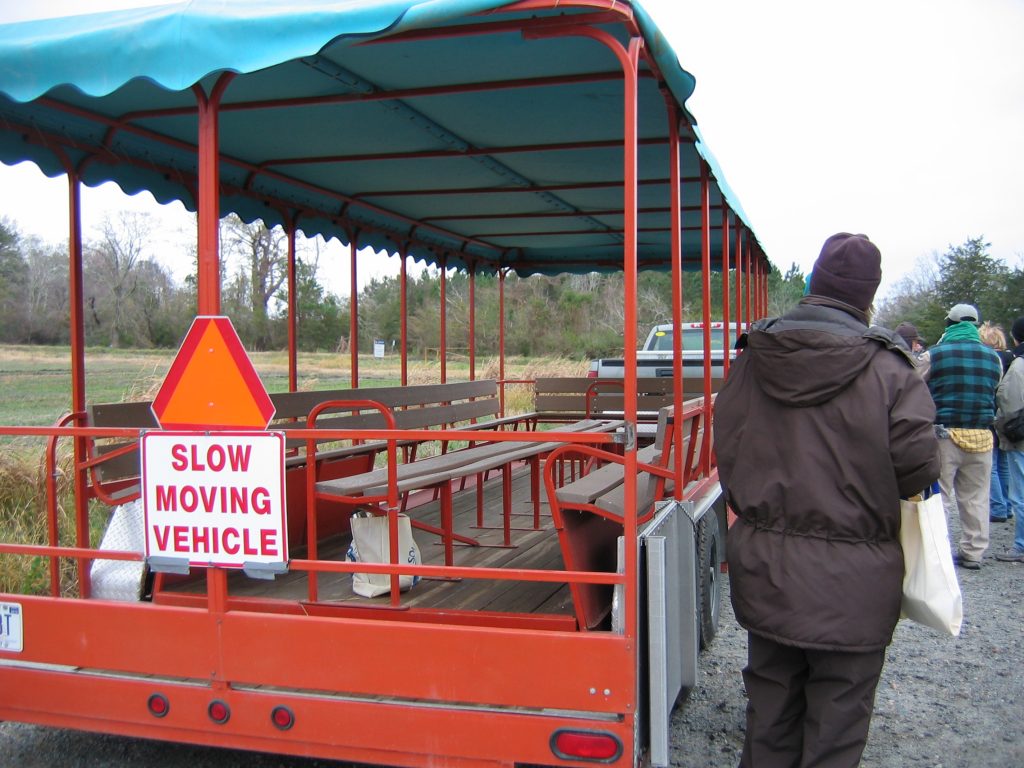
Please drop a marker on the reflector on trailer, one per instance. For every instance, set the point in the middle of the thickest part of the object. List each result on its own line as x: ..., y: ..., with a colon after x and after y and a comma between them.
x: 595, y: 746
x: 282, y: 718
x: 219, y: 712
x: 158, y: 705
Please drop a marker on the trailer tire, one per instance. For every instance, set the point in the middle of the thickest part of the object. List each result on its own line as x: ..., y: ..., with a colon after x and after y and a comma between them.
x: 709, y: 592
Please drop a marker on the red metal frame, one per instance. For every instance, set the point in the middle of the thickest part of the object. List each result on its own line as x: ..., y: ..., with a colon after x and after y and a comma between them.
x: 209, y: 196
x: 677, y: 281
x: 748, y: 259
x: 705, y: 261
x: 471, y: 340
x: 741, y: 273
x: 726, y: 345
x: 501, y: 337
x: 293, y: 340
x: 403, y: 293
x: 353, y: 310
x: 443, y: 353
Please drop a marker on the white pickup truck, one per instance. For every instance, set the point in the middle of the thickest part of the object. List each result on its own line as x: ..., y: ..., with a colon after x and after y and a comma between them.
x: 655, y: 357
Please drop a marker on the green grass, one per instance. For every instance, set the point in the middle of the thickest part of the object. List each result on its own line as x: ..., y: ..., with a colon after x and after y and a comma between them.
x: 35, y: 387
x: 35, y: 382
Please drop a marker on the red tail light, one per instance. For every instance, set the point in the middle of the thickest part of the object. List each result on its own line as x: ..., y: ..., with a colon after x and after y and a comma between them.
x: 158, y: 705
x: 586, y: 745
x: 219, y: 712
x: 282, y: 718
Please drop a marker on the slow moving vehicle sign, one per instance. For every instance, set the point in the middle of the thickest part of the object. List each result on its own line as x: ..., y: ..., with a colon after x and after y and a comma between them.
x: 213, y: 478
x: 215, y: 499
x: 212, y: 384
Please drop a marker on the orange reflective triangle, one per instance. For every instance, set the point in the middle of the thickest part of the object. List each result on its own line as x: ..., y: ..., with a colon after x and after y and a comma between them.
x: 211, y: 383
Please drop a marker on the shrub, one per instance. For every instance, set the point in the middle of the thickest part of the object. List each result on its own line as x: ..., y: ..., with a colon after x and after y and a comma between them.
x: 23, y: 519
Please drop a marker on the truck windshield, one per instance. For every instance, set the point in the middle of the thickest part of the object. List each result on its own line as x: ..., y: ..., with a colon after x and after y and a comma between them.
x: 693, y: 340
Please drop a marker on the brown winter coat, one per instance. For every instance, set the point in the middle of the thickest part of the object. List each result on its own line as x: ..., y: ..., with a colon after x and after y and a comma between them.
x: 821, y: 427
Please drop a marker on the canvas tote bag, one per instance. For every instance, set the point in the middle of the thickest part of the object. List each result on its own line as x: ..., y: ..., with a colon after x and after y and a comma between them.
x: 371, y: 543
x: 931, y: 593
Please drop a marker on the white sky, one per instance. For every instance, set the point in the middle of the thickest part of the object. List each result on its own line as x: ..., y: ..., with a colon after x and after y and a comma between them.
x: 901, y: 119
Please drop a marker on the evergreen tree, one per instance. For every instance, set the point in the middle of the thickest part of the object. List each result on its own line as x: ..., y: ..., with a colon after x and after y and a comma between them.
x: 13, y: 275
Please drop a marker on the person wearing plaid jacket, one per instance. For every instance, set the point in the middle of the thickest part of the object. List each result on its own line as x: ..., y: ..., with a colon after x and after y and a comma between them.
x: 963, y: 378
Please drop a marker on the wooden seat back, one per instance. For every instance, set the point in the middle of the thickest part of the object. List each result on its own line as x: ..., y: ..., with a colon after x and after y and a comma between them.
x: 589, y: 511
x: 115, y: 463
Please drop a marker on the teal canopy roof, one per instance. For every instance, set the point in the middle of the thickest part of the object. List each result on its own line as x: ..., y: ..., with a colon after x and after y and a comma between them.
x: 469, y: 130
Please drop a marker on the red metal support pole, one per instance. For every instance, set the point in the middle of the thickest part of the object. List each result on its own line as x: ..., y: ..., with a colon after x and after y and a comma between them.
x: 76, y: 298
x: 755, y: 289
x: 471, y: 341
x: 403, y: 294
x: 675, y: 211
x: 501, y: 337
x: 443, y: 353
x: 758, y: 284
x: 705, y: 280
x: 630, y: 65
x: 762, y: 275
x: 353, y: 311
x: 764, y: 285
x: 208, y: 276
x: 748, y: 266
x: 293, y: 339
x: 739, y: 270
x: 726, y: 344
x: 629, y: 60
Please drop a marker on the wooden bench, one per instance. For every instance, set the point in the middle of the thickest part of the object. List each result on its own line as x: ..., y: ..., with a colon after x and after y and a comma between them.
x: 571, y: 398
x: 424, y: 406
x: 371, y: 489
x: 558, y: 399
x: 588, y: 513
x: 114, y: 465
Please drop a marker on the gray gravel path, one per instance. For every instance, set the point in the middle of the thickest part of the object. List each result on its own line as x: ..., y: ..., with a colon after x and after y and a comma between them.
x: 942, y: 702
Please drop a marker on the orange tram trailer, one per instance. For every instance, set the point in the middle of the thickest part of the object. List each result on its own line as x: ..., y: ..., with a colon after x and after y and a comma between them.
x: 540, y: 137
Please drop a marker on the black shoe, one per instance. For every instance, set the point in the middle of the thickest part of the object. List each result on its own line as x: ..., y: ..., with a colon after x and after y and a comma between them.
x: 994, y: 519
x: 970, y: 565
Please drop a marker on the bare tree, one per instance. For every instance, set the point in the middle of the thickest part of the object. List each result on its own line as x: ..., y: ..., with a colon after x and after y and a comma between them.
x: 111, y: 269
x: 46, y: 292
x: 263, y: 257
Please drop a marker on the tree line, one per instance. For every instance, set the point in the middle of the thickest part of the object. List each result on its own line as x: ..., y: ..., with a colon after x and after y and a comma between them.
x: 965, y: 273
x: 133, y: 300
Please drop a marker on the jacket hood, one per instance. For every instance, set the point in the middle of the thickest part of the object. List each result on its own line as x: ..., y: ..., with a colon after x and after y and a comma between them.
x: 813, y: 353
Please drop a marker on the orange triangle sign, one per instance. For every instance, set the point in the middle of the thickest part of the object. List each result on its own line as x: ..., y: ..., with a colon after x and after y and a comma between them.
x: 212, y: 383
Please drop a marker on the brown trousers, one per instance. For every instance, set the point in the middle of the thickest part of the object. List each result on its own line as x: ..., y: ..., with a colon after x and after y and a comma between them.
x: 807, y: 708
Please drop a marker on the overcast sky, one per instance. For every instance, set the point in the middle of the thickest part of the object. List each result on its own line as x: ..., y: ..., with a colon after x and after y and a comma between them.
x: 901, y: 119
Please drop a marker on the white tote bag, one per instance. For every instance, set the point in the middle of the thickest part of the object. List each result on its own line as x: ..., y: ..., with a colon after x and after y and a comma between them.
x: 931, y: 593
x: 371, y: 543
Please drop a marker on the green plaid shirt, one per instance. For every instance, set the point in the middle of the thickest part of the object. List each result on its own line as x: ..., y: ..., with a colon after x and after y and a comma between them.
x: 963, y: 380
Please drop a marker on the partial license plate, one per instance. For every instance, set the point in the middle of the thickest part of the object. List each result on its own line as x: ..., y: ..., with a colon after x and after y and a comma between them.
x: 11, y: 627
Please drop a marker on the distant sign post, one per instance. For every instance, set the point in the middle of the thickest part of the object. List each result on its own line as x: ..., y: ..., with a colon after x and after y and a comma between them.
x: 213, y: 477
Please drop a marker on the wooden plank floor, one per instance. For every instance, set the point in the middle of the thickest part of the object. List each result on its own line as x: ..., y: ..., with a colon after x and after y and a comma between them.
x: 531, y: 550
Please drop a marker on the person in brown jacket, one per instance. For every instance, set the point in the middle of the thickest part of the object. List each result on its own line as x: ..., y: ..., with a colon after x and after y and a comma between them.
x: 822, y: 425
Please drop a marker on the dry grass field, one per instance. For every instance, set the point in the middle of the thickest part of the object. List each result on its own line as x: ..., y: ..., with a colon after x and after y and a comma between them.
x: 35, y: 382
x: 35, y: 386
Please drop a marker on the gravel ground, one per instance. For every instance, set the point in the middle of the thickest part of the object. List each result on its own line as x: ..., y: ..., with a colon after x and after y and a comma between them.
x: 942, y: 702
